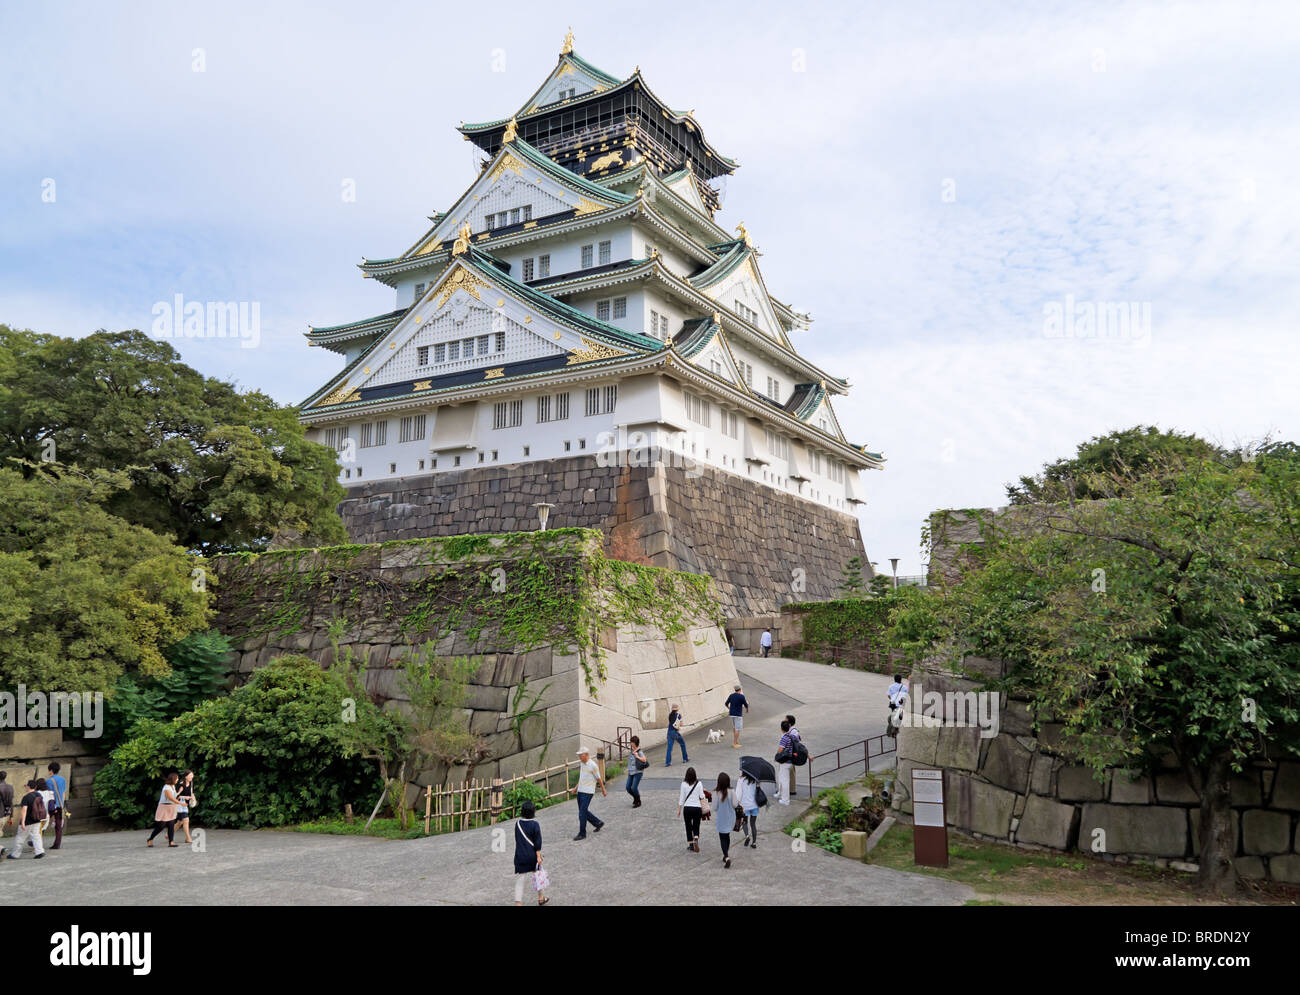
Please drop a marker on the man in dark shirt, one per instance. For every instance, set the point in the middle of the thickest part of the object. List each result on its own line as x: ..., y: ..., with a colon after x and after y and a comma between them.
x: 737, y: 706
x: 29, y: 825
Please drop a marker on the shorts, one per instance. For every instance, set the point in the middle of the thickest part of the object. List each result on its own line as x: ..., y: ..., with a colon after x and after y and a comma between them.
x: 737, y: 722
x: 752, y: 812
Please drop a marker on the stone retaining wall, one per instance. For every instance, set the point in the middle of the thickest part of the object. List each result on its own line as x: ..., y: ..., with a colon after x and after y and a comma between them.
x: 763, y: 547
x: 27, y: 753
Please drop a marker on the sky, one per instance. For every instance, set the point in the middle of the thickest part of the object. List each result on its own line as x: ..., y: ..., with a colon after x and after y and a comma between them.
x: 950, y: 188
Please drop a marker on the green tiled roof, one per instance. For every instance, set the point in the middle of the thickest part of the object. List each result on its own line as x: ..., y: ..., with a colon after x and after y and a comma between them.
x: 392, y: 317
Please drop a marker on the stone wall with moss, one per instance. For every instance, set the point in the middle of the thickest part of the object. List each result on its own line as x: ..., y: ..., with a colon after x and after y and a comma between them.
x: 570, y: 644
x: 763, y: 547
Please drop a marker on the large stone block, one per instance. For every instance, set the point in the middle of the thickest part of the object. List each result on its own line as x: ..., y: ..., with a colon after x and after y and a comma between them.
x: 1173, y: 789
x: 1264, y: 832
x: 979, y: 807
x: 918, y: 744
x: 1048, y: 823
x: 1080, y: 784
x: 959, y: 748
x: 1285, y: 868
x: 1286, y: 786
x: 1146, y: 830
x: 487, y: 698
x: 1129, y: 788
x: 1007, y: 764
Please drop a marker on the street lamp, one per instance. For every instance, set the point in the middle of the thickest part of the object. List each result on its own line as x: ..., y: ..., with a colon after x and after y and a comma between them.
x: 543, y: 513
x: 893, y: 562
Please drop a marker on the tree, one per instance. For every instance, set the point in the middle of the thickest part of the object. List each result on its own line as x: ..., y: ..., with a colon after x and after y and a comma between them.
x: 276, y: 751
x: 851, y: 585
x: 216, y: 468
x: 1112, y: 459
x: 87, y: 596
x: 1160, y: 614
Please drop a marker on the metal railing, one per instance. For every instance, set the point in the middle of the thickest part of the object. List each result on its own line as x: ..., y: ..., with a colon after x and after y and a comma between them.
x: 865, y: 750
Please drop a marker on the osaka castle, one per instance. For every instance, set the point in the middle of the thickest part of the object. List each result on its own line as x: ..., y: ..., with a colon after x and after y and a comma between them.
x: 579, y: 336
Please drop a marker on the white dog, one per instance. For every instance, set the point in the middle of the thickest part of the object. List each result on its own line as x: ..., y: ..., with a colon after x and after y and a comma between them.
x: 715, y: 736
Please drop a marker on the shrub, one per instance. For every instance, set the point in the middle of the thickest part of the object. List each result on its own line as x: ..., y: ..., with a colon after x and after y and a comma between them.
x: 277, y: 750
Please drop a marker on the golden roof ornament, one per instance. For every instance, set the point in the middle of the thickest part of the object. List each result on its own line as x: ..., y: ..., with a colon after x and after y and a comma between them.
x: 512, y: 132
x: 744, y: 235
x: 567, y: 49
x: 717, y: 318
x: 461, y: 245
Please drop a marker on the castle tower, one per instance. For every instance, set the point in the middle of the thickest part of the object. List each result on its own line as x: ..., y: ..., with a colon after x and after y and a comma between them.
x: 577, y: 330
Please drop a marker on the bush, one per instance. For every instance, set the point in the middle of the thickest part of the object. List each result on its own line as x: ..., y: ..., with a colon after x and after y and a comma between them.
x: 828, y: 839
x: 839, y: 805
x: 273, y: 752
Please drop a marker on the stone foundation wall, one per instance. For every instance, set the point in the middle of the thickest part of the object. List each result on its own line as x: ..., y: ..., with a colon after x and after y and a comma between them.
x: 1019, y: 788
x: 761, y: 546
x: 532, y: 705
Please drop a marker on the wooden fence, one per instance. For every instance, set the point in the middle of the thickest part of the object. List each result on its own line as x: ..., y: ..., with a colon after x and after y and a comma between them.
x: 475, y: 803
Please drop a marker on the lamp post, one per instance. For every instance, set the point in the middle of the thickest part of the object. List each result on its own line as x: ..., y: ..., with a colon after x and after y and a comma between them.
x: 893, y: 562
x: 543, y: 513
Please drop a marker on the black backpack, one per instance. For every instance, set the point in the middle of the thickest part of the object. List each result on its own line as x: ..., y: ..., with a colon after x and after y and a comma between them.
x: 798, y: 753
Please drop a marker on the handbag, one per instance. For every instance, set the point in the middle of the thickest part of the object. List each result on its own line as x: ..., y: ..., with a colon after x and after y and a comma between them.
x: 760, y: 799
x: 640, y: 764
x: 541, y: 879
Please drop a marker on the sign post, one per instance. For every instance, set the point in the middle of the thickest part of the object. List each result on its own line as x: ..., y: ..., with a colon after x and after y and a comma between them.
x: 929, y: 818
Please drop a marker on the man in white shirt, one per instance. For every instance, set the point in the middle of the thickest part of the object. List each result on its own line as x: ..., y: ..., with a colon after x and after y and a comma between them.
x: 897, y: 698
x: 588, y: 781
x: 766, y: 641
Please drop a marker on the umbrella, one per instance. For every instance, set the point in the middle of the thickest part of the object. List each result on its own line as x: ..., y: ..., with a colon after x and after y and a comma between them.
x: 758, y: 768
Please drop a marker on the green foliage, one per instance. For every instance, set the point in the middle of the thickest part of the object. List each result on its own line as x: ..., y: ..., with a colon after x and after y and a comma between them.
x: 200, y: 665
x: 212, y: 467
x: 881, y: 586
x: 274, y: 752
x: 853, y: 631
x: 524, y: 791
x: 851, y: 585
x: 839, y: 806
x: 1160, y: 614
x: 827, y: 839
x: 88, y: 597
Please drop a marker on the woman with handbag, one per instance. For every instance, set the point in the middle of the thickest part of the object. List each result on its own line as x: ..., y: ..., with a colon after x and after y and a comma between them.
x: 747, y: 789
x: 164, y: 816
x: 724, y: 815
x: 528, y: 854
x: 690, y: 803
x: 636, y: 765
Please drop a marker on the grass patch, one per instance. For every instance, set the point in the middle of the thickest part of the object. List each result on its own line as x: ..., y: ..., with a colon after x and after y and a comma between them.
x: 388, y: 829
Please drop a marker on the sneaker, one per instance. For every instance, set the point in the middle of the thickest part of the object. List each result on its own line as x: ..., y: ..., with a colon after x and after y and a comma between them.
x: 726, y: 862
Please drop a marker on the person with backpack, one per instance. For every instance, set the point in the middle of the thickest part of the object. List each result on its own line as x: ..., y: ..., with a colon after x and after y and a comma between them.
x: 528, y: 853
x: 58, y: 786
x: 724, y: 815
x: 690, y: 808
x: 783, y: 764
x: 164, y: 816
x: 31, y: 813
x: 6, y: 803
x: 636, y: 765
x: 747, y: 790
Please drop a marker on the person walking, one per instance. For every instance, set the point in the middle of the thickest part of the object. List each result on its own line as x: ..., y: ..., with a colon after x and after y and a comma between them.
x: 766, y: 641
x: 737, y: 706
x: 747, y: 799
x: 794, y: 738
x: 783, y: 769
x: 675, y: 722
x: 164, y: 816
x: 31, y: 813
x: 636, y: 765
x: 58, y: 786
x: 6, y: 804
x: 690, y: 802
x: 724, y: 815
x: 588, y: 781
x: 528, y: 852
x: 185, y: 799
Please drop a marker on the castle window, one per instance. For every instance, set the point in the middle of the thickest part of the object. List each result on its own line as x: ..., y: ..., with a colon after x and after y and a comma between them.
x: 620, y: 307
x: 419, y: 290
x: 697, y: 408
x: 392, y: 467
x: 774, y: 389
x: 514, y: 216
x: 553, y: 407
x: 483, y: 342
x: 600, y: 401
x: 544, y: 265
x: 422, y: 355
x: 602, y: 310
x: 421, y: 464
x: 500, y: 344
x: 456, y: 461
x: 440, y: 353
x: 605, y: 252
x: 528, y: 212
x: 528, y: 269
x: 467, y: 348
x: 453, y: 351
x: 410, y: 429
x: 587, y: 256
x: 527, y: 450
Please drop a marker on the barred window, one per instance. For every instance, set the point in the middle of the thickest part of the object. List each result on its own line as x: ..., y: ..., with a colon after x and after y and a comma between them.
x: 587, y: 256
x: 453, y: 351
x: 483, y: 343
x: 605, y: 252
x: 440, y: 353
x: 528, y: 212
x: 411, y: 428
x: 500, y: 343
x: 507, y: 414
x: 528, y: 269
x: 602, y: 310
x: 544, y: 265
x: 419, y: 290
x: 561, y: 406
x: 422, y: 355
x: 620, y: 307
x: 697, y: 408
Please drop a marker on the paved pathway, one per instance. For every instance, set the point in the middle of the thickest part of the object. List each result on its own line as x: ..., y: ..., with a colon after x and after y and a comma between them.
x: 640, y: 857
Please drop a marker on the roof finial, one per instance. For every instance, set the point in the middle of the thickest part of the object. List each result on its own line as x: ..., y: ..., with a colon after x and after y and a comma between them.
x: 568, y: 42
x: 461, y: 245
x: 512, y: 132
x: 740, y: 230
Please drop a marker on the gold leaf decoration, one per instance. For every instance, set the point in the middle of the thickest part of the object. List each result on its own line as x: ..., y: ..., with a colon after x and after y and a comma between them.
x: 461, y: 279
x: 343, y: 395
x: 593, y: 351
x: 508, y: 161
x: 494, y: 373
x: 586, y: 206
x: 614, y: 158
x: 423, y: 385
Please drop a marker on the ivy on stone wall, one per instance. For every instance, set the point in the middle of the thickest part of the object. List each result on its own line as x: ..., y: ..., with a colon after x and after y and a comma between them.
x: 492, y: 593
x: 850, y: 631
